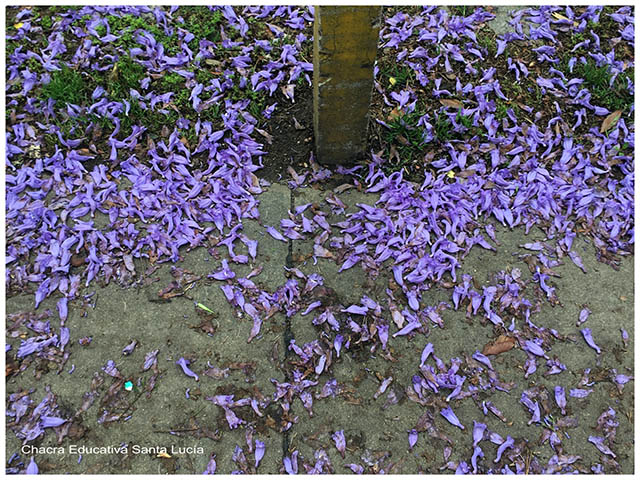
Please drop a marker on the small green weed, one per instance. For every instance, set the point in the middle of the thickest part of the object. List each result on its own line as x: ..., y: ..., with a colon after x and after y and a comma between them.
x: 597, y: 81
x: 125, y: 75
x: 66, y: 86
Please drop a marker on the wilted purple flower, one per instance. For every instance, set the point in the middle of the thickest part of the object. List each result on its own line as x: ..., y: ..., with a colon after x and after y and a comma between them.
x: 223, y: 274
x: 586, y: 333
x: 477, y: 453
x: 561, y: 400
x: 259, y: 451
x: 275, y: 234
x: 508, y: 443
x: 49, y: 422
x: 584, y: 314
x: 111, y: 369
x: 383, y: 387
x: 211, y: 466
x: 413, y: 438
x: 478, y: 432
x: 625, y: 337
x: 451, y: 417
x: 600, y: 445
x: 128, y: 350
x: 579, y: 392
x: 32, y: 468
x: 291, y: 464
x: 339, y: 440
x: 184, y: 364
x: 428, y: 350
x: 355, y: 468
x: 533, y: 348
x: 150, y: 359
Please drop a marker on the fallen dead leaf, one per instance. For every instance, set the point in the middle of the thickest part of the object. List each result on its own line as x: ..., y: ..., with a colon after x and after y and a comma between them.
x: 610, y: 121
x: 395, y: 113
x: 501, y: 344
x: 451, y: 103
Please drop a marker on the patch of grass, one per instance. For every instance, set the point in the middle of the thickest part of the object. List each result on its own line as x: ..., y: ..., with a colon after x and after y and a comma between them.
x: 66, y: 86
x: 442, y: 128
x: 126, y: 27
x: 125, y: 75
x: 203, y: 24
x: 487, y: 40
x: 401, y: 76
x: 407, y: 139
x: 461, y: 10
x: 597, y: 81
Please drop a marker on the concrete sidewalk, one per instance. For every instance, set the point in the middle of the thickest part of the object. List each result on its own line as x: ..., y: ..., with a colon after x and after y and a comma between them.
x: 375, y: 428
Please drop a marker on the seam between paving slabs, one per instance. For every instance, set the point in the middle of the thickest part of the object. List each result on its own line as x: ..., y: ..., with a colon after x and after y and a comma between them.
x: 287, y: 335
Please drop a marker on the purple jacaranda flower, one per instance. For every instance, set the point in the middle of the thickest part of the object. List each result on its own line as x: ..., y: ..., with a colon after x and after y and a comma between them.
x: 586, y: 333
x: 533, y: 348
x: 428, y: 350
x: 561, y: 400
x: 356, y: 310
x: 225, y: 273
x: 383, y: 387
x: 111, y: 369
x: 49, y: 422
x: 413, y: 438
x: 625, y: 337
x: 355, y: 468
x: 451, y: 417
x: 211, y: 466
x: 150, y: 360
x: 275, y: 234
x: 312, y: 306
x: 184, y: 364
x: 32, y: 468
x: 128, y: 350
x: 477, y: 453
x: 412, y: 325
x: 508, y: 443
x: 340, y: 442
x: 291, y: 463
x: 478, y: 432
x: 600, y: 445
x: 580, y: 392
x: 584, y: 314
x: 259, y: 451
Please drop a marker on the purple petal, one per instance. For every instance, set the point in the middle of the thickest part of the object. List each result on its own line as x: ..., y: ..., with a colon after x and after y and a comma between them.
x: 451, y: 417
x: 259, y: 452
x: 339, y: 440
x: 586, y: 333
x: 182, y: 362
x: 413, y: 438
x: 32, y: 468
x: 599, y: 443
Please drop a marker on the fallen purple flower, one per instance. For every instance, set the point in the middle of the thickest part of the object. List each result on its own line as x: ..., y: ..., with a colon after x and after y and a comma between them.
x: 586, y: 333
x: 339, y: 440
x: 451, y: 417
x: 184, y: 364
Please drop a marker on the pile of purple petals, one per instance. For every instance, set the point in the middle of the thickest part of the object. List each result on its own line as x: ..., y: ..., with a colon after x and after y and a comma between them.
x: 524, y: 171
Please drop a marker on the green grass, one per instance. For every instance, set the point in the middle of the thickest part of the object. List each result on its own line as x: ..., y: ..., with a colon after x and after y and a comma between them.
x: 402, y: 76
x: 125, y: 75
x: 597, y: 80
x: 66, y: 86
x: 126, y: 27
x: 203, y: 23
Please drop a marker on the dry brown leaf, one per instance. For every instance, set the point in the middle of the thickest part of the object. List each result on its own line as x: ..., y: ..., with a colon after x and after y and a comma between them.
x: 501, y: 344
x: 610, y: 121
x: 451, y: 103
x: 395, y: 113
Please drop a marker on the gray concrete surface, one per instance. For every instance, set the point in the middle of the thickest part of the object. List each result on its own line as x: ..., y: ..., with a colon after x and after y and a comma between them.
x: 372, y: 426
